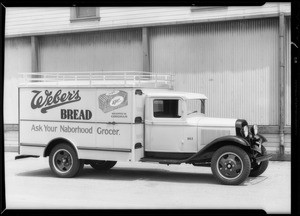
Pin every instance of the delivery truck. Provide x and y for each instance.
(100, 118)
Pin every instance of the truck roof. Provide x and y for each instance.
(106, 79)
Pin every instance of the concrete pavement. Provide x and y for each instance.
(31, 185)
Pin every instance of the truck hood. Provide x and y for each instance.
(208, 121)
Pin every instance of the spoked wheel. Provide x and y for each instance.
(102, 165)
(64, 162)
(230, 165)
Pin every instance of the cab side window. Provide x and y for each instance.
(163, 108)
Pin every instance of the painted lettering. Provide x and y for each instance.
(75, 114)
(102, 131)
(68, 129)
(50, 128)
(36, 128)
(48, 100)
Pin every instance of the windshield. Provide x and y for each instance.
(196, 106)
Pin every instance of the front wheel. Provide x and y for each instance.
(102, 165)
(64, 162)
(230, 165)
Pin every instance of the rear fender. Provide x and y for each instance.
(57, 141)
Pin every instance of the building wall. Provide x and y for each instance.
(36, 20)
(17, 59)
(235, 64)
(94, 51)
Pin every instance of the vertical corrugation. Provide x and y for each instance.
(94, 51)
(288, 71)
(235, 64)
(17, 59)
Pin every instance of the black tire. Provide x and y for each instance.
(64, 161)
(102, 165)
(258, 169)
(230, 165)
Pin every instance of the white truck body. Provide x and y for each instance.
(122, 116)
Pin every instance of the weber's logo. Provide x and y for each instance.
(48, 100)
(113, 100)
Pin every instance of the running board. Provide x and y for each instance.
(25, 156)
(162, 161)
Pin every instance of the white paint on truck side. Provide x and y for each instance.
(99, 122)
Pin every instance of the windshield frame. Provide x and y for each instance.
(199, 110)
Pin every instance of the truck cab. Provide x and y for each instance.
(171, 120)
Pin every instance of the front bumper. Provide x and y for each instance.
(263, 158)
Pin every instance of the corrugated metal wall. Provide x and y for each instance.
(94, 51)
(288, 70)
(17, 59)
(235, 64)
(41, 20)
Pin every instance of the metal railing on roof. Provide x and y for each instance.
(98, 79)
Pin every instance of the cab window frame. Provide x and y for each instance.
(179, 107)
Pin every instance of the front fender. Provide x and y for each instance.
(229, 139)
(217, 143)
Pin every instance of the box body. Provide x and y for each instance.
(99, 122)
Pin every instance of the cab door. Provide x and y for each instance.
(164, 125)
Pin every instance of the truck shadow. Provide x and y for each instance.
(141, 174)
(132, 174)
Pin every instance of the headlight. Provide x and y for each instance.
(239, 128)
(254, 129)
(245, 131)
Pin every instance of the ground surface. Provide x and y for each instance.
(30, 184)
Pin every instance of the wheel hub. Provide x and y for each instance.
(62, 161)
(229, 165)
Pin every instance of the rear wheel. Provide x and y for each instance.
(258, 169)
(102, 165)
(64, 162)
(230, 165)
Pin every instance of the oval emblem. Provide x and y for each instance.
(116, 101)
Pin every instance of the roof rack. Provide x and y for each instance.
(97, 79)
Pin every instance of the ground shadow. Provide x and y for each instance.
(147, 174)
(132, 174)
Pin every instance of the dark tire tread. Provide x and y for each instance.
(103, 165)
